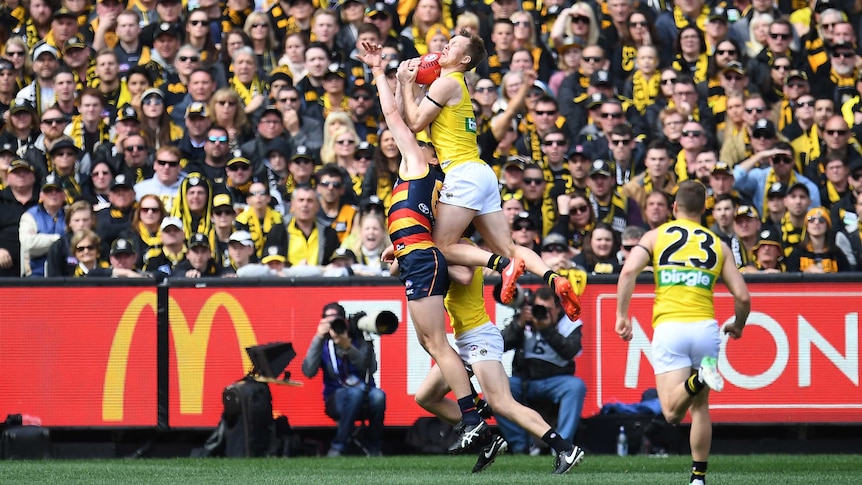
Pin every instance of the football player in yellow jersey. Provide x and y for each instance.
(422, 266)
(687, 259)
(470, 190)
(480, 345)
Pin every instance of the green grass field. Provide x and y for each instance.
(639, 470)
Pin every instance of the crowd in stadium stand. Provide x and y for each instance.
(196, 138)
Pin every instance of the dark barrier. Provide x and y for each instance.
(122, 354)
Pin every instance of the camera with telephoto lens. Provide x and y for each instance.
(381, 322)
(523, 296)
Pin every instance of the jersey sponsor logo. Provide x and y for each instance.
(692, 278)
(470, 125)
(424, 209)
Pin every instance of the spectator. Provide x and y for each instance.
(127, 124)
(818, 251)
(197, 124)
(87, 247)
(803, 129)
(77, 58)
(156, 124)
(657, 209)
(303, 131)
(41, 226)
(172, 250)
(20, 130)
(213, 166)
(383, 171)
(88, 129)
(193, 204)
(723, 211)
(270, 127)
(175, 89)
(546, 345)
(265, 225)
(145, 232)
(372, 240)
(129, 49)
(334, 212)
(746, 230)
(656, 177)
(239, 181)
(223, 218)
(838, 144)
(310, 244)
(293, 59)
(769, 253)
(576, 219)
(199, 35)
(611, 206)
(226, 108)
(341, 264)
(166, 182)
(555, 145)
(744, 144)
(202, 85)
(134, 161)
(535, 200)
(263, 41)
(122, 262)
(525, 232)
(241, 254)
(317, 60)
(599, 255)
(46, 62)
(62, 260)
(8, 86)
(775, 203)
(630, 238)
(199, 262)
(247, 82)
(348, 362)
(579, 167)
(64, 157)
(556, 253)
(117, 219)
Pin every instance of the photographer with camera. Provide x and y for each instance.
(546, 343)
(348, 362)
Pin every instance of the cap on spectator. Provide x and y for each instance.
(579, 150)
(7, 148)
(796, 74)
(334, 69)
(734, 66)
(64, 12)
(6, 65)
(718, 13)
(173, 29)
(222, 200)
(798, 185)
(280, 73)
(514, 161)
(746, 211)
(127, 113)
(371, 203)
(854, 164)
(722, 167)
(21, 104)
(242, 237)
(342, 253)
(122, 245)
(595, 100)
(601, 167)
(434, 30)
(820, 212)
(272, 253)
(361, 85)
(271, 108)
(75, 42)
(364, 148)
(63, 142)
(18, 163)
(194, 179)
(777, 189)
(555, 241)
(278, 145)
(122, 181)
(571, 42)
(302, 152)
(769, 236)
(523, 220)
(235, 160)
(199, 240)
(379, 8)
(764, 126)
(152, 92)
(171, 221)
(822, 5)
(197, 109)
(601, 78)
(52, 180)
(43, 47)
(844, 44)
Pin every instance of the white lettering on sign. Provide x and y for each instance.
(639, 344)
(848, 363)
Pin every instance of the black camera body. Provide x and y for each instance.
(382, 323)
(340, 326)
(523, 296)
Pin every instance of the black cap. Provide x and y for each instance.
(596, 99)
(554, 239)
(52, 180)
(335, 69)
(718, 13)
(271, 108)
(173, 29)
(302, 152)
(6, 65)
(523, 218)
(746, 211)
(199, 240)
(763, 125)
(8, 148)
(769, 236)
(278, 145)
(722, 167)
(236, 160)
(127, 113)
(601, 77)
(371, 203)
(342, 253)
(571, 42)
(122, 246)
(579, 150)
(601, 167)
(280, 73)
(122, 181)
(76, 42)
(379, 8)
(365, 147)
(20, 104)
(798, 185)
(63, 142)
(64, 12)
(515, 161)
(197, 109)
(734, 66)
(777, 189)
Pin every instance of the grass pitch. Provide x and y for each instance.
(639, 470)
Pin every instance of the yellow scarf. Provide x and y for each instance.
(832, 192)
(699, 74)
(645, 91)
(153, 241)
(329, 108)
(771, 178)
(682, 21)
(246, 93)
(77, 132)
(257, 228)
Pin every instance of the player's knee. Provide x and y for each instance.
(672, 417)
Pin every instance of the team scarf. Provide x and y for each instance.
(81, 270)
(259, 229)
(77, 132)
(682, 21)
(153, 241)
(771, 178)
(832, 193)
(246, 93)
(790, 234)
(328, 107)
(697, 69)
(645, 90)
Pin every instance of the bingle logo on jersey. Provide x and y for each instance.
(693, 278)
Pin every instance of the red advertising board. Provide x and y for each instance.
(89, 358)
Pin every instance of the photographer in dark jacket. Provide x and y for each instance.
(544, 364)
(348, 362)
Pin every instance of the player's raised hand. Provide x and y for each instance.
(372, 54)
(406, 73)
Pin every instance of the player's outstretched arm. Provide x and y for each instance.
(639, 258)
(741, 298)
(441, 92)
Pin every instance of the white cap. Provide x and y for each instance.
(172, 221)
(242, 237)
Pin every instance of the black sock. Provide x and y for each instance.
(693, 386)
(556, 442)
(548, 278)
(469, 415)
(498, 263)
(698, 471)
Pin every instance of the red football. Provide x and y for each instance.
(429, 68)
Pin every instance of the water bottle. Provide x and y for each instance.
(622, 442)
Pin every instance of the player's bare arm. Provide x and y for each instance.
(639, 258)
(444, 91)
(741, 299)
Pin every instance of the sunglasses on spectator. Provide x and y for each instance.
(81, 249)
(612, 115)
(15, 53)
(580, 19)
(731, 77)
(755, 110)
(638, 23)
(762, 135)
(805, 104)
(101, 173)
(523, 227)
(331, 184)
(259, 193)
(628, 247)
(533, 181)
(671, 80)
(217, 139)
(837, 132)
(521, 23)
(196, 23)
(819, 219)
(287, 100)
(545, 113)
(844, 54)
(624, 141)
(774, 35)
(780, 67)
(225, 212)
(54, 121)
(239, 166)
(781, 159)
(189, 58)
(363, 97)
(257, 26)
(591, 59)
(168, 163)
(722, 52)
(558, 143)
(226, 102)
(796, 85)
(693, 133)
(153, 100)
(149, 210)
(578, 209)
(345, 142)
(484, 89)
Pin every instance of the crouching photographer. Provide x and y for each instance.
(349, 392)
(546, 342)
